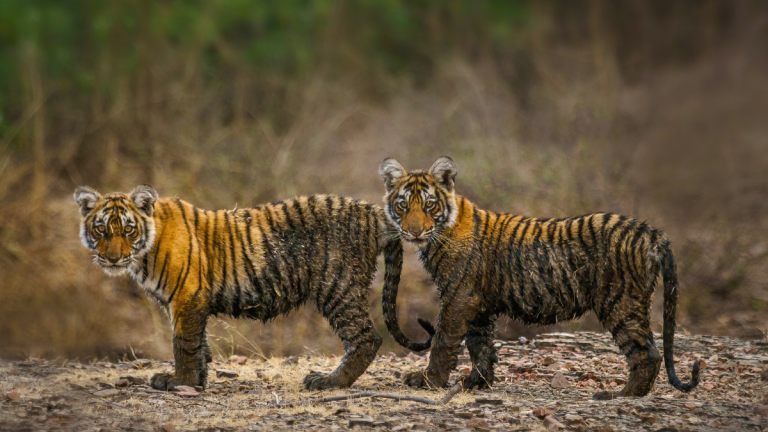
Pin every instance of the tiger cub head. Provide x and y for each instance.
(420, 203)
(119, 227)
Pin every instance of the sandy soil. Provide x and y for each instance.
(48, 395)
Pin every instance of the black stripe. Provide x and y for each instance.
(636, 272)
(498, 257)
(162, 273)
(551, 230)
(144, 269)
(339, 222)
(608, 308)
(189, 252)
(199, 254)
(210, 249)
(220, 253)
(156, 253)
(582, 243)
(537, 229)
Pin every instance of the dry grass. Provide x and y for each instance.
(684, 150)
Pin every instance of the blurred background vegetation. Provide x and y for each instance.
(653, 109)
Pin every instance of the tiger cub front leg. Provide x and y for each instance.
(482, 353)
(452, 325)
(190, 352)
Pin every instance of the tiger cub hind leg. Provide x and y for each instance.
(644, 365)
(482, 353)
(354, 326)
(635, 340)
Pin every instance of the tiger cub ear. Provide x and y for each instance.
(444, 170)
(144, 198)
(390, 171)
(86, 198)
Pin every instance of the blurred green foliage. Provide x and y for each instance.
(83, 46)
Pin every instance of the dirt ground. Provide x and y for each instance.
(542, 384)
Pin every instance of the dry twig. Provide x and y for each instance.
(445, 399)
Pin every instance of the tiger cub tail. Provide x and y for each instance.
(393, 264)
(669, 274)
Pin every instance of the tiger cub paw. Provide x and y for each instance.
(166, 382)
(605, 395)
(475, 381)
(420, 379)
(321, 381)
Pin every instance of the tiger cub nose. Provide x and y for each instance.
(113, 259)
(416, 233)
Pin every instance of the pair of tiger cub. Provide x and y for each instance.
(271, 259)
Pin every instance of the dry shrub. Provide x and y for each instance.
(684, 149)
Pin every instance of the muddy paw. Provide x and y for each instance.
(475, 381)
(166, 382)
(418, 379)
(320, 381)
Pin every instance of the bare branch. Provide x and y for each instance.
(445, 399)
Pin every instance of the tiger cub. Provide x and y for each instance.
(540, 271)
(256, 263)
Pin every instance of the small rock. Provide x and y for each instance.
(764, 375)
(523, 340)
(107, 393)
(241, 360)
(761, 410)
(169, 427)
(573, 419)
(141, 363)
(650, 419)
(12, 396)
(123, 383)
(360, 421)
(690, 406)
(605, 428)
(482, 401)
(552, 424)
(541, 412)
(103, 385)
(225, 373)
(464, 415)
(477, 423)
(548, 361)
(185, 391)
(290, 361)
(134, 380)
(560, 381)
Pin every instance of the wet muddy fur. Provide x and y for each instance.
(256, 263)
(540, 271)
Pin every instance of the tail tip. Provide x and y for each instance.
(427, 326)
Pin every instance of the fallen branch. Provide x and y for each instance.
(444, 400)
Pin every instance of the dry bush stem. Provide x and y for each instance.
(444, 400)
